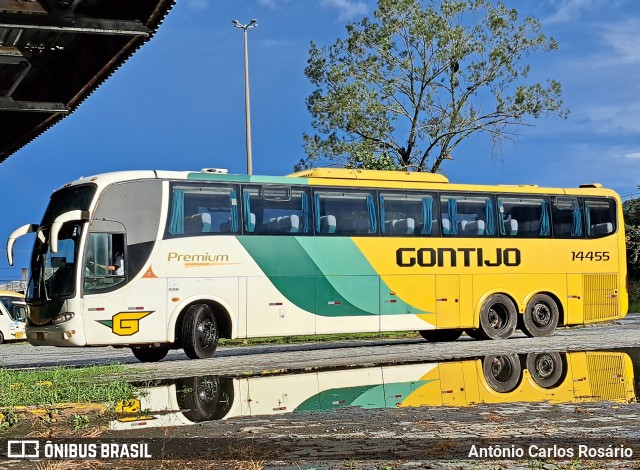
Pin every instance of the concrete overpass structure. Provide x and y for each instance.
(55, 53)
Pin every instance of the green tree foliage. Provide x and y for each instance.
(631, 211)
(407, 86)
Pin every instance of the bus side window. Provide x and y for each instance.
(523, 217)
(345, 212)
(600, 217)
(276, 210)
(467, 216)
(567, 217)
(408, 213)
(207, 209)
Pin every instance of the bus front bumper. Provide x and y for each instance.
(64, 335)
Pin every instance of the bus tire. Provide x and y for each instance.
(440, 336)
(546, 369)
(205, 398)
(502, 373)
(199, 332)
(153, 354)
(1, 337)
(498, 317)
(541, 316)
(475, 333)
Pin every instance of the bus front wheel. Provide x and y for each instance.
(199, 332)
(153, 354)
(541, 316)
(440, 336)
(498, 317)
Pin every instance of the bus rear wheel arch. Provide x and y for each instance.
(541, 316)
(440, 336)
(498, 317)
(199, 332)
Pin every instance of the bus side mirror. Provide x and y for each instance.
(14, 236)
(57, 224)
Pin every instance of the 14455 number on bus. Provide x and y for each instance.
(589, 256)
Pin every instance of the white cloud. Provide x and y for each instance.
(197, 5)
(623, 38)
(632, 155)
(272, 3)
(349, 9)
(568, 10)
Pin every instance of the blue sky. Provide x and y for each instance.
(178, 104)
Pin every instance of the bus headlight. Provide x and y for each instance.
(63, 317)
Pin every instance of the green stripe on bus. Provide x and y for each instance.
(247, 179)
(295, 274)
(363, 396)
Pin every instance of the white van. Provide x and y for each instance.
(13, 314)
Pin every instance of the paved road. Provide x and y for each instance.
(309, 356)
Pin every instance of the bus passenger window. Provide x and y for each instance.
(407, 214)
(567, 218)
(345, 212)
(467, 216)
(198, 209)
(276, 210)
(523, 217)
(600, 217)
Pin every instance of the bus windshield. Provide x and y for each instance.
(52, 274)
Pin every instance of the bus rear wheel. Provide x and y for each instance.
(153, 354)
(546, 369)
(498, 317)
(502, 373)
(541, 316)
(199, 332)
(440, 336)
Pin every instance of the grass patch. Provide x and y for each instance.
(63, 385)
(318, 338)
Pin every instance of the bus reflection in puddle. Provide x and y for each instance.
(555, 377)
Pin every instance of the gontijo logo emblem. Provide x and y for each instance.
(125, 323)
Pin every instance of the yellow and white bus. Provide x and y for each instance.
(157, 260)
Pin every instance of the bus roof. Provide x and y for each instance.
(339, 177)
(371, 175)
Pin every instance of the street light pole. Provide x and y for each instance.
(247, 108)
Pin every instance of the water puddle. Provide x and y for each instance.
(554, 377)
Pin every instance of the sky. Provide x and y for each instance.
(178, 104)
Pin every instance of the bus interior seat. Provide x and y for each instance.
(196, 223)
(511, 227)
(475, 227)
(404, 226)
(602, 229)
(530, 228)
(388, 226)
(251, 222)
(328, 224)
(446, 226)
(289, 224)
(225, 227)
(206, 221)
